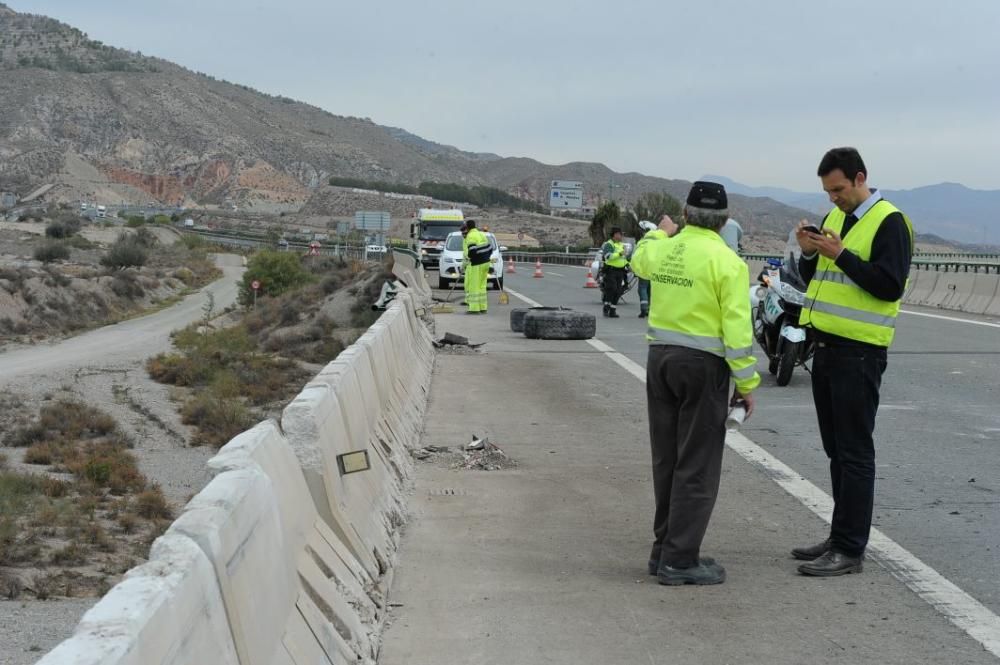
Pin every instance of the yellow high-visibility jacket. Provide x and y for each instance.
(834, 303)
(699, 298)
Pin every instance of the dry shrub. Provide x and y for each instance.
(11, 586)
(128, 523)
(109, 465)
(151, 504)
(73, 554)
(40, 453)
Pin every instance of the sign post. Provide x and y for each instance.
(255, 285)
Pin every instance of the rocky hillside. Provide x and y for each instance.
(107, 125)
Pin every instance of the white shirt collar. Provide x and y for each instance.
(860, 211)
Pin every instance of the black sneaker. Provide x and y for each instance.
(607, 308)
(643, 314)
(612, 313)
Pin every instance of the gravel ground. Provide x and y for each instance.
(105, 368)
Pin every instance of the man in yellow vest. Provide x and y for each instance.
(615, 262)
(476, 252)
(856, 265)
(699, 340)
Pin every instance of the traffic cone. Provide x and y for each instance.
(591, 283)
(510, 266)
(538, 269)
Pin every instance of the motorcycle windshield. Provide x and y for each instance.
(790, 263)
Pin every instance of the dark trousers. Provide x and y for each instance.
(687, 394)
(845, 383)
(614, 284)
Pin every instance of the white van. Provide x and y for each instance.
(450, 266)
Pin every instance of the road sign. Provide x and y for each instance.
(566, 194)
(255, 285)
(367, 220)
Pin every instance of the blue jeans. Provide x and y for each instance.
(643, 288)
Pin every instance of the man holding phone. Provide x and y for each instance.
(856, 264)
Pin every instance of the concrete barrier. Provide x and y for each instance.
(984, 290)
(285, 557)
(329, 417)
(961, 285)
(924, 282)
(167, 611)
(993, 309)
(945, 288)
(326, 568)
(237, 522)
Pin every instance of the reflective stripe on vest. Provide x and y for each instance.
(834, 303)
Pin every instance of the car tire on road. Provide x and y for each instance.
(559, 324)
(517, 316)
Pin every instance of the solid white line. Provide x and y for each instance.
(524, 298)
(956, 605)
(950, 318)
(554, 273)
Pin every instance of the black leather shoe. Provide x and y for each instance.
(832, 564)
(701, 574)
(606, 310)
(643, 314)
(613, 314)
(812, 552)
(654, 564)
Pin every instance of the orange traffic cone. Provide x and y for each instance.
(510, 265)
(538, 269)
(591, 283)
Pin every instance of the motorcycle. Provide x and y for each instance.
(776, 301)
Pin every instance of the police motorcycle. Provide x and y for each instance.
(776, 301)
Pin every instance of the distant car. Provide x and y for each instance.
(376, 249)
(450, 266)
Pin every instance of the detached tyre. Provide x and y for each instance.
(517, 316)
(559, 324)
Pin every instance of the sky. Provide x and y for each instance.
(755, 91)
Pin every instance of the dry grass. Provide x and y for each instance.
(78, 527)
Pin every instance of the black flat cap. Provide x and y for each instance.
(708, 195)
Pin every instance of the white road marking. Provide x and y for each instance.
(943, 595)
(956, 605)
(950, 318)
(524, 298)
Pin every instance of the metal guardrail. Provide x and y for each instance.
(342, 251)
(939, 262)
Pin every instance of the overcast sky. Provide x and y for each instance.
(755, 91)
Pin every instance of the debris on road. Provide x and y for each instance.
(486, 457)
(429, 451)
(456, 344)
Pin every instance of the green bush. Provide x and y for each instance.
(51, 251)
(277, 273)
(63, 228)
(126, 252)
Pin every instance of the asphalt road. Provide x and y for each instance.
(937, 434)
(132, 340)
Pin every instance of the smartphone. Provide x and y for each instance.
(812, 228)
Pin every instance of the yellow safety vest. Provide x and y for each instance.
(474, 238)
(834, 303)
(616, 257)
(698, 298)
